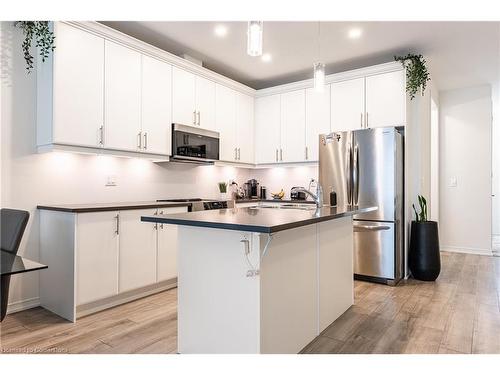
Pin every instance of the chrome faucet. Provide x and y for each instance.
(317, 198)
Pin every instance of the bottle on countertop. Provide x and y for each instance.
(333, 198)
(263, 192)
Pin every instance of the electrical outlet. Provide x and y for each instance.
(110, 180)
(453, 182)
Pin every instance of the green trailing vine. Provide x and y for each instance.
(38, 31)
(417, 74)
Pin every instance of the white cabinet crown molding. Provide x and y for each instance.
(147, 49)
(332, 78)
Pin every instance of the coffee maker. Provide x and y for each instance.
(251, 189)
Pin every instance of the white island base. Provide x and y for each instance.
(304, 283)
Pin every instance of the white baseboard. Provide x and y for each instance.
(23, 305)
(466, 250)
(106, 303)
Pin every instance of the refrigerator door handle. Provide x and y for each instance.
(370, 228)
(349, 174)
(355, 175)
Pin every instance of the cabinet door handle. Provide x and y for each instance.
(362, 125)
(161, 225)
(145, 140)
(101, 135)
(239, 153)
(199, 118)
(307, 153)
(194, 117)
(235, 153)
(281, 154)
(117, 229)
(366, 125)
(276, 154)
(139, 141)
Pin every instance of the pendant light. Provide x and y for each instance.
(319, 67)
(254, 38)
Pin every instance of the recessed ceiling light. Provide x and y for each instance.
(266, 57)
(220, 30)
(355, 33)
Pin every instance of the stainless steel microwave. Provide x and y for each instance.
(194, 145)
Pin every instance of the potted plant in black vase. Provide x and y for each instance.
(424, 258)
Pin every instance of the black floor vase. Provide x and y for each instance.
(424, 258)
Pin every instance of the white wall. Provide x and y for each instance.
(29, 179)
(465, 145)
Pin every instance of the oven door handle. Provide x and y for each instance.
(370, 228)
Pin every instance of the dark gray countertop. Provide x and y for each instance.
(262, 220)
(96, 207)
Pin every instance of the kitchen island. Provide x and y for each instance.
(261, 279)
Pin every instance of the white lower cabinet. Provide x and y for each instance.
(167, 246)
(137, 250)
(96, 256)
(117, 252)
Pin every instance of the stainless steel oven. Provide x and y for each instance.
(194, 145)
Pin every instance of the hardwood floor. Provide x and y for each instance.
(459, 313)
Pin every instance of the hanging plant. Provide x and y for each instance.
(417, 74)
(43, 36)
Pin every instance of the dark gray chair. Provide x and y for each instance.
(12, 226)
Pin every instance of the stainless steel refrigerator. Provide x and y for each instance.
(365, 168)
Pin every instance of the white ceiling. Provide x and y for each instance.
(459, 54)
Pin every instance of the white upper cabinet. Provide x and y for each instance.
(267, 129)
(156, 106)
(386, 99)
(348, 104)
(205, 103)
(78, 90)
(183, 97)
(317, 120)
(293, 122)
(122, 97)
(226, 122)
(137, 250)
(234, 118)
(245, 128)
(193, 100)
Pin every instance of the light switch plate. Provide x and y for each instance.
(453, 182)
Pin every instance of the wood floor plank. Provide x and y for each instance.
(323, 345)
(486, 337)
(346, 325)
(460, 328)
(357, 345)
